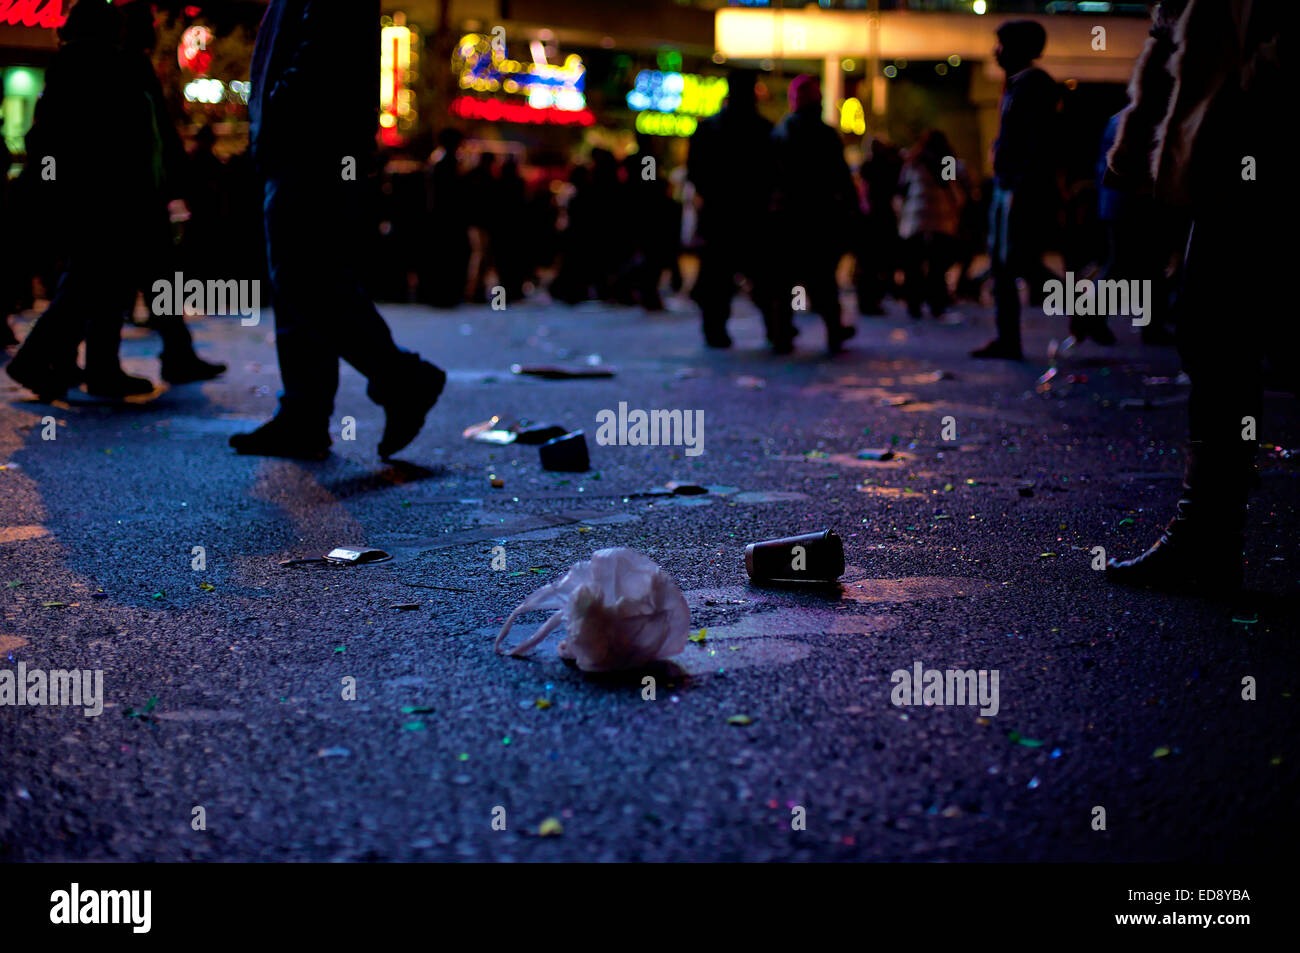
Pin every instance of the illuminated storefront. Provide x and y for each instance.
(28, 40)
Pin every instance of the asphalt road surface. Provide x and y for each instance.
(224, 687)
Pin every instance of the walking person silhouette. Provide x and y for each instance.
(314, 153)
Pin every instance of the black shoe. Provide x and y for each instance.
(997, 349)
(189, 369)
(836, 336)
(46, 382)
(119, 385)
(404, 414)
(279, 437)
(1200, 549)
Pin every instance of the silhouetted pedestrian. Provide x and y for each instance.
(1024, 184)
(877, 251)
(444, 269)
(816, 205)
(315, 154)
(104, 197)
(934, 193)
(732, 164)
(1201, 134)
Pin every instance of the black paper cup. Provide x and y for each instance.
(774, 560)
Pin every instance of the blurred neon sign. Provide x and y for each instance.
(396, 61)
(43, 13)
(496, 110)
(192, 53)
(683, 93)
(670, 104)
(484, 68)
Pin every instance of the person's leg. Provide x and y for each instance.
(714, 289)
(914, 273)
(824, 296)
(939, 254)
(46, 363)
(1228, 270)
(1002, 264)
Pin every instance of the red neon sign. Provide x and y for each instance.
(46, 13)
(494, 110)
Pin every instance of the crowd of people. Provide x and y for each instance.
(776, 205)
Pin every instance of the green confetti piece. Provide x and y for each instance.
(1126, 521)
(340, 649)
(463, 756)
(158, 595)
(505, 740)
(700, 636)
(416, 710)
(1161, 752)
(551, 827)
(413, 726)
(1016, 737)
(741, 720)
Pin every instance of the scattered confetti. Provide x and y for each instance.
(1017, 738)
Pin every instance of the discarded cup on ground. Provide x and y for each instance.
(568, 454)
(812, 557)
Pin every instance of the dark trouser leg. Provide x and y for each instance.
(321, 311)
(914, 273)
(939, 258)
(714, 289)
(1003, 255)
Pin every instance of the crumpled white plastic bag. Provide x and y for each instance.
(619, 608)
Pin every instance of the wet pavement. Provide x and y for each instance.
(969, 548)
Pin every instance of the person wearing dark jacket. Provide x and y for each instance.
(1024, 177)
(730, 163)
(817, 205)
(315, 154)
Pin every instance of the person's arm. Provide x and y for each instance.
(1128, 164)
(314, 24)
